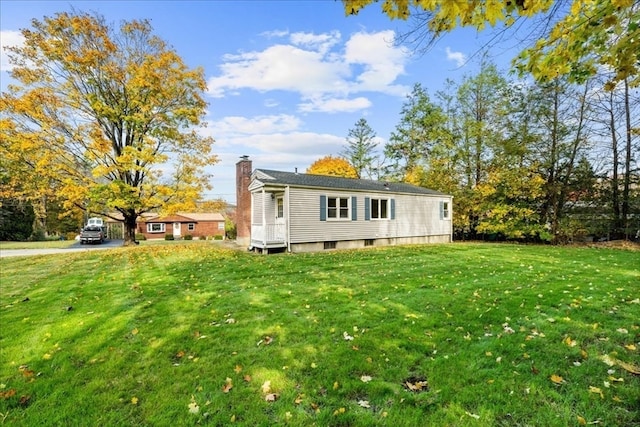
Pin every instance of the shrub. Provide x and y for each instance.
(38, 235)
(169, 236)
(71, 235)
(217, 237)
(230, 229)
(188, 237)
(140, 236)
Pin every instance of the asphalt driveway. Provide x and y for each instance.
(76, 247)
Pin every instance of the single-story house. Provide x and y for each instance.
(197, 225)
(302, 212)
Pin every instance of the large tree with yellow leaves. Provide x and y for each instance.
(578, 36)
(104, 118)
(333, 166)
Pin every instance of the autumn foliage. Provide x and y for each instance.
(579, 39)
(103, 118)
(332, 166)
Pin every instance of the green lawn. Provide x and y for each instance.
(48, 244)
(442, 335)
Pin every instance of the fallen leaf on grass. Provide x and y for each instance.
(630, 347)
(476, 416)
(629, 367)
(266, 387)
(582, 421)
(364, 403)
(298, 399)
(596, 390)
(557, 379)
(610, 361)
(228, 385)
(134, 331)
(7, 394)
(365, 378)
(193, 408)
(271, 397)
(237, 369)
(568, 341)
(134, 400)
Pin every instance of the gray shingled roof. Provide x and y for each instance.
(323, 181)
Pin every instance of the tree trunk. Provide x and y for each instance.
(615, 185)
(130, 224)
(627, 165)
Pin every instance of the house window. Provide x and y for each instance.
(368, 242)
(221, 226)
(330, 245)
(444, 210)
(379, 209)
(279, 207)
(155, 227)
(191, 226)
(337, 208)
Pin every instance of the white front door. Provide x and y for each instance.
(176, 229)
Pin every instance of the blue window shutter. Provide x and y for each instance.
(441, 210)
(367, 209)
(354, 208)
(323, 208)
(393, 208)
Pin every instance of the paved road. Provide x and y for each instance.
(76, 247)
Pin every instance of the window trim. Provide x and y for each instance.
(150, 227)
(338, 208)
(377, 210)
(279, 207)
(191, 226)
(445, 210)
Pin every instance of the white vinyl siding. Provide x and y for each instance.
(411, 215)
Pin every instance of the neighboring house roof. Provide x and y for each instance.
(179, 217)
(187, 217)
(271, 177)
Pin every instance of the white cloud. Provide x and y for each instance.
(458, 57)
(334, 105)
(324, 73)
(8, 38)
(258, 125)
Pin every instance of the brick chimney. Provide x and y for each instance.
(243, 201)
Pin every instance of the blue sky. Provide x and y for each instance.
(286, 79)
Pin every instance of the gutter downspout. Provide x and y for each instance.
(264, 221)
(286, 197)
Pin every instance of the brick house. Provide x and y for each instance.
(197, 225)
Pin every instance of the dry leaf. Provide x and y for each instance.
(193, 407)
(134, 400)
(237, 369)
(298, 399)
(596, 390)
(134, 331)
(247, 378)
(365, 378)
(629, 367)
(557, 379)
(364, 403)
(582, 421)
(271, 397)
(266, 387)
(228, 385)
(630, 347)
(568, 341)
